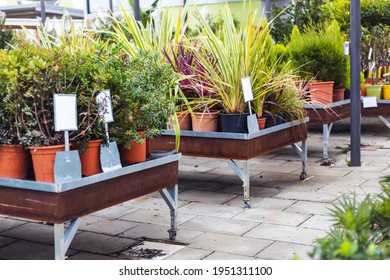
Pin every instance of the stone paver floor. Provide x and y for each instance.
(287, 214)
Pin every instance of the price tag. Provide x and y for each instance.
(65, 112)
(370, 102)
(247, 89)
(103, 100)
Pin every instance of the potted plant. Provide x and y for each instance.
(318, 52)
(144, 104)
(198, 92)
(14, 162)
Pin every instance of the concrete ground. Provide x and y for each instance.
(286, 217)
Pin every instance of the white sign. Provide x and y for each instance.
(103, 100)
(247, 89)
(370, 102)
(65, 112)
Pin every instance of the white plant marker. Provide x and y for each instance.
(253, 125)
(67, 165)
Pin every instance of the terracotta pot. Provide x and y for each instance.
(43, 158)
(90, 158)
(14, 162)
(205, 121)
(321, 92)
(136, 153)
(184, 121)
(261, 122)
(338, 94)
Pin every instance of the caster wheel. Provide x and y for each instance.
(302, 176)
(172, 236)
(247, 204)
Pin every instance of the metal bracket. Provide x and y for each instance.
(170, 195)
(244, 174)
(63, 237)
(326, 129)
(302, 152)
(386, 122)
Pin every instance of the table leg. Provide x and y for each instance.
(386, 122)
(302, 152)
(326, 129)
(63, 237)
(170, 195)
(244, 174)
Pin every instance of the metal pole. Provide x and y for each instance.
(355, 83)
(43, 12)
(110, 5)
(137, 11)
(268, 9)
(88, 7)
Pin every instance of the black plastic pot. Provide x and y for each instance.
(236, 123)
(275, 119)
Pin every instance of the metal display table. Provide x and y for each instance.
(70, 201)
(382, 110)
(239, 146)
(327, 115)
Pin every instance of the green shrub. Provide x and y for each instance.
(319, 52)
(361, 230)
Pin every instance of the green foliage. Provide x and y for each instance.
(318, 52)
(6, 36)
(299, 13)
(146, 101)
(361, 230)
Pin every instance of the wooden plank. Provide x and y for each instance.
(65, 206)
(381, 110)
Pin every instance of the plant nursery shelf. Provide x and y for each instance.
(239, 146)
(69, 201)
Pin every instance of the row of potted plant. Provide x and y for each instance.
(30, 73)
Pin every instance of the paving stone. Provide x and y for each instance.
(6, 240)
(307, 195)
(286, 233)
(273, 216)
(263, 202)
(88, 256)
(205, 197)
(189, 254)
(7, 223)
(214, 210)
(254, 191)
(99, 243)
(159, 232)
(26, 250)
(151, 250)
(226, 256)
(153, 203)
(114, 212)
(33, 232)
(309, 207)
(158, 217)
(199, 176)
(286, 251)
(219, 225)
(105, 226)
(228, 243)
(319, 222)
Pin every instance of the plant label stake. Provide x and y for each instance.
(109, 153)
(253, 125)
(67, 165)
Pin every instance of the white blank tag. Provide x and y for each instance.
(65, 112)
(370, 102)
(247, 89)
